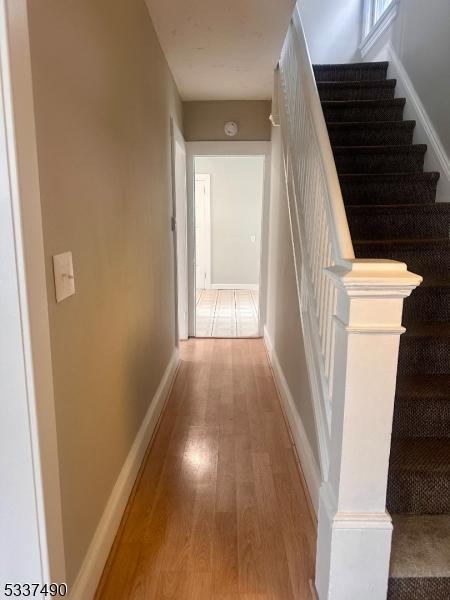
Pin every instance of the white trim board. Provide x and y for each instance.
(234, 286)
(372, 33)
(305, 454)
(94, 562)
(230, 148)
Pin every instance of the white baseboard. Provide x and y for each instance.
(308, 462)
(91, 570)
(436, 158)
(234, 286)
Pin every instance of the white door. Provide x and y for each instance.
(202, 232)
(180, 231)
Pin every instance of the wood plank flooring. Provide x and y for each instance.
(227, 313)
(220, 511)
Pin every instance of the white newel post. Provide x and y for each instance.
(354, 538)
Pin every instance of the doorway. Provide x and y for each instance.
(228, 208)
(179, 229)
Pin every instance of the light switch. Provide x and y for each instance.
(253, 238)
(64, 279)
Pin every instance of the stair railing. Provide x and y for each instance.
(351, 320)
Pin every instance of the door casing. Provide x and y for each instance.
(179, 228)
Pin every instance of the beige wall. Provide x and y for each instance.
(104, 96)
(283, 323)
(204, 121)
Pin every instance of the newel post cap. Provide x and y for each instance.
(374, 277)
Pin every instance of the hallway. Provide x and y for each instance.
(220, 511)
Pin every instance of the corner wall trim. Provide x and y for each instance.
(306, 457)
(91, 570)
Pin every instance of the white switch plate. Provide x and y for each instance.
(64, 279)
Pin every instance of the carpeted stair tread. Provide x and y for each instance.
(415, 387)
(367, 104)
(363, 110)
(425, 348)
(379, 159)
(388, 220)
(421, 456)
(381, 89)
(425, 329)
(402, 242)
(430, 301)
(419, 476)
(436, 282)
(371, 133)
(422, 406)
(423, 256)
(420, 546)
(351, 71)
(441, 208)
(420, 558)
(389, 188)
(419, 588)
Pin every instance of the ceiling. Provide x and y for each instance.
(222, 49)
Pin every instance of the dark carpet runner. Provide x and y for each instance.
(392, 213)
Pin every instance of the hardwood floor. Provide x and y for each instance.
(220, 511)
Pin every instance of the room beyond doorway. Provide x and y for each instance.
(227, 313)
(228, 208)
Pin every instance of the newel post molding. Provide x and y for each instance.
(354, 538)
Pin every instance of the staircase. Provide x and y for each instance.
(392, 213)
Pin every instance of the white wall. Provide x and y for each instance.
(283, 325)
(420, 36)
(332, 29)
(236, 202)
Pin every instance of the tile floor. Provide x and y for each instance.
(227, 313)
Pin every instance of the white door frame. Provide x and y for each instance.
(206, 178)
(180, 244)
(228, 149)
(31, 535)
